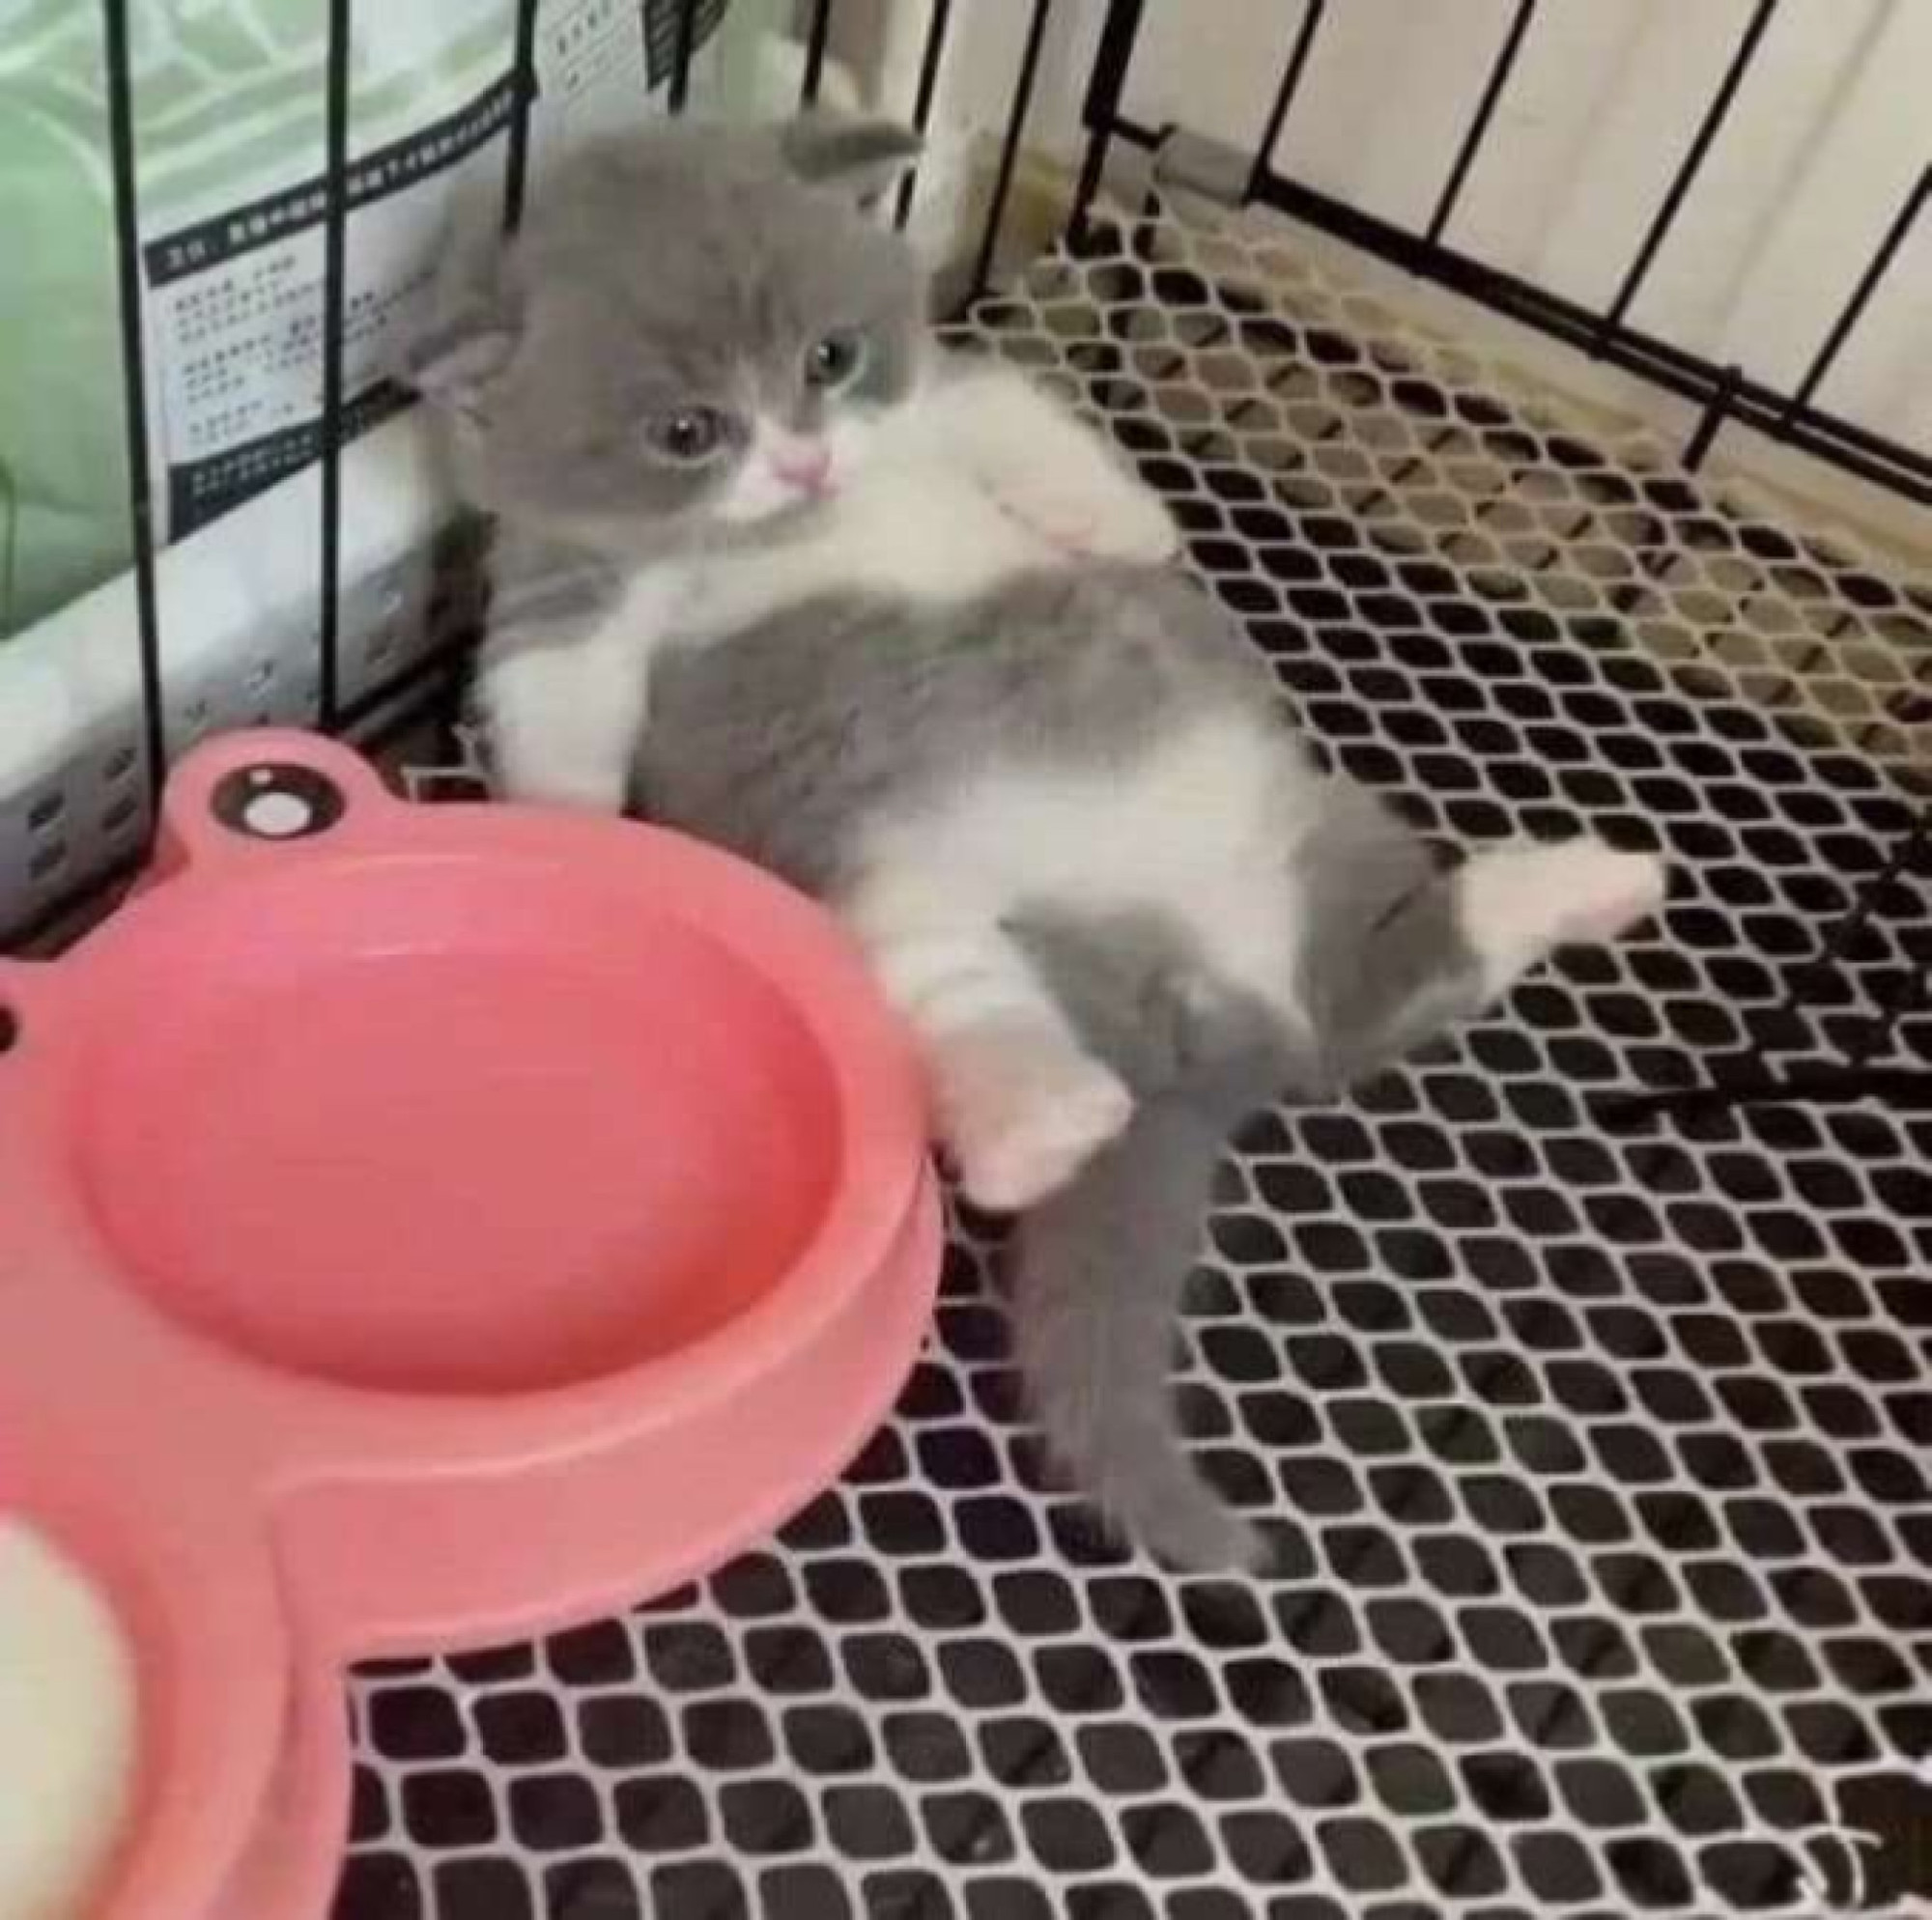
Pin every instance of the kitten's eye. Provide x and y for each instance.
(686, 434)
(834, 361)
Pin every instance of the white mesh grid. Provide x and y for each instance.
(1594, 1454)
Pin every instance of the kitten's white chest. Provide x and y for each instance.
(909, 533)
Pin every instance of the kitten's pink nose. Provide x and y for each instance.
(806, 468)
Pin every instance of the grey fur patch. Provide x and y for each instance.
(858, 158)
(1097, 1274)
(785, 740)
(689, 266)
(1383, 965)
(1140, 997)
(544, 593)
(1098, 1270)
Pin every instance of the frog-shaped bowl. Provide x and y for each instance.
(420, 1227)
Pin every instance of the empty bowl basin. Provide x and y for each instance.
(420, 1226)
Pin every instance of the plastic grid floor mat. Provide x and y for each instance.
(1594, 1451)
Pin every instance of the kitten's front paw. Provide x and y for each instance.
(1127, 522)
(1024, 1127)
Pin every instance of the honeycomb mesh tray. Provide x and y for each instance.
(1594, 1450)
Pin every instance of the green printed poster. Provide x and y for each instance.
(229, 110)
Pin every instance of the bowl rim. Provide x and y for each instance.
(790, 945)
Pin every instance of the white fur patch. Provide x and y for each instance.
(1518, 903)
(774, 478)
(1202, 827)
(1021, 1112)
(565, 717)
(67, 1726)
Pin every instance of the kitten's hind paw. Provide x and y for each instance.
(1024, 1138)
(1517, 903)
(1615, 891)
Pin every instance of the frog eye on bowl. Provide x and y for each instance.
(277, 800)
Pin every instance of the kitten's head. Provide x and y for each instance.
(697, 331)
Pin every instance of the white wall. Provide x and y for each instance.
(1824, 142)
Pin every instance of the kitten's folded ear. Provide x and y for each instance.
(471, 327)
(858, 158)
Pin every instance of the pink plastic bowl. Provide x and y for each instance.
(420, 1226)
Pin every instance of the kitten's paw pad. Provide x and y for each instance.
(1613, 891)
(1015, 1151)
(1132, 523)
(1518, 903)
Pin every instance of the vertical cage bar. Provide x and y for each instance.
(1100, 111)
(1290, 85)
(1485, 111)
(929, 86)
(134, 386)
(1692, 162)
(1854, 308)
(1717, 410)
(524, 78)
(684, 39)
(816, 37)
(1009, 146)
(335, 315)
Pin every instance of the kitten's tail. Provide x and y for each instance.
(1097, 1272)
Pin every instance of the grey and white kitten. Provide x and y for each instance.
(897, 626)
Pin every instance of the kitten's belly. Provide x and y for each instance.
(1201, 827)
(1089, 740)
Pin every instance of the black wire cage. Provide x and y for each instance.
(1581, 1378)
